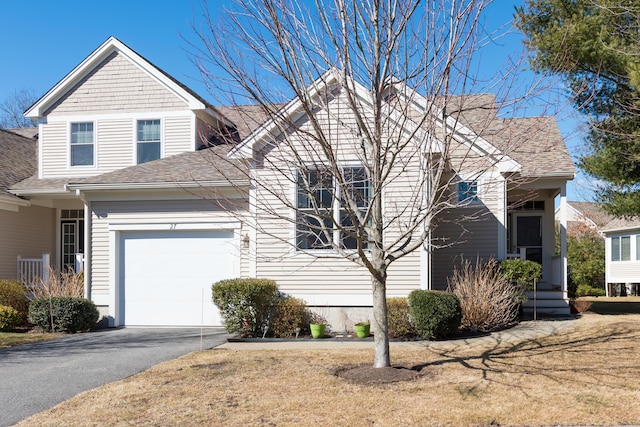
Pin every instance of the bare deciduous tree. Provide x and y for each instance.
(13, 106)
(365, 104)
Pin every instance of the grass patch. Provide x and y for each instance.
(10, 339)
(591, 368)
(613, 305)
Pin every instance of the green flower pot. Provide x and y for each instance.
(363, 329)
(317, 329)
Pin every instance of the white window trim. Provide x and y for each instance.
(329, 252)
(95, 146)
(135, 137)
(632, 255)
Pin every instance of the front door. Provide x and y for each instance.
(528, 237)
(71, 237)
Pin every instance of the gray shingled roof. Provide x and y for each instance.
(603, 220)
(533, 142)
(18, 159)
(208, 165)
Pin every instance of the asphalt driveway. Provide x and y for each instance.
(35, 377)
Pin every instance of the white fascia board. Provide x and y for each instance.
(155, 185)
(48, 192)
(292, 111)
(92, 61)
(627, 229)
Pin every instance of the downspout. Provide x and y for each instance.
(87, 244)
(563, 238)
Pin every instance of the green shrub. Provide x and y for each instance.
(68, 314)
(399, 318)
(435, 314)
(14, 294)
(246, 305)
(290, 317)
(589, 291)
(9, 318)
(521, 272)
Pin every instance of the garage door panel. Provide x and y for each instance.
(167, 276)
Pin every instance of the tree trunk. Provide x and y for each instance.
(382, 358)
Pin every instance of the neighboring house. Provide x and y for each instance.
(129, 175)
(584, 214)
(622, 244)
(26, 228)
(622, 251)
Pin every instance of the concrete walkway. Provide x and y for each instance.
(35, 377)
(526, 330)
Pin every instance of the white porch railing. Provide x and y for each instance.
(32, 270)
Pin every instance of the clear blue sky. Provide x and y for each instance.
(42, 40)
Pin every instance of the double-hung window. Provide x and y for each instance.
(621, 248)
(323, 219)
(149, 143)
(82, 144)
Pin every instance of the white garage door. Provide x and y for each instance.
(166, 276)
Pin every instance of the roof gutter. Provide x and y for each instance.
(156, 185)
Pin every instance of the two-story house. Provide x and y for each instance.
(130, 176)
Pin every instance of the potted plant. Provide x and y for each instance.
(317, 325)
(363, 329)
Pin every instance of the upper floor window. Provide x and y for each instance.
(621, 248)
(468, 191)
(82, 144)
(320, 206)
(148, 144)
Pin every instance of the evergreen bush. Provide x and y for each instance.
(399, 318)
(63, 314)
(14, 294)
(247, 306)
(291, 316)
(9, 318)
(435, 314)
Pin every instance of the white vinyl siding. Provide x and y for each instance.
(623, 258)
(178, 134)
(105, 214)
(30, 232)
(115, 142)
(332, 280)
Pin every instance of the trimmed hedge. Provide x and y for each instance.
(9, 318)
(14, 294)
(435, 314)
(68, 314)
(246, 305)
(291, 316)
(521, 272)
(399, 318)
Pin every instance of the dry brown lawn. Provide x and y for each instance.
(585, 375)
(11, 339)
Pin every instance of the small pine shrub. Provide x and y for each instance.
(589, 291)
(63, 314)
(14, 294)
(435, 314)
(9, 318)
(399, 318)
(246, 305)
(291, 316)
